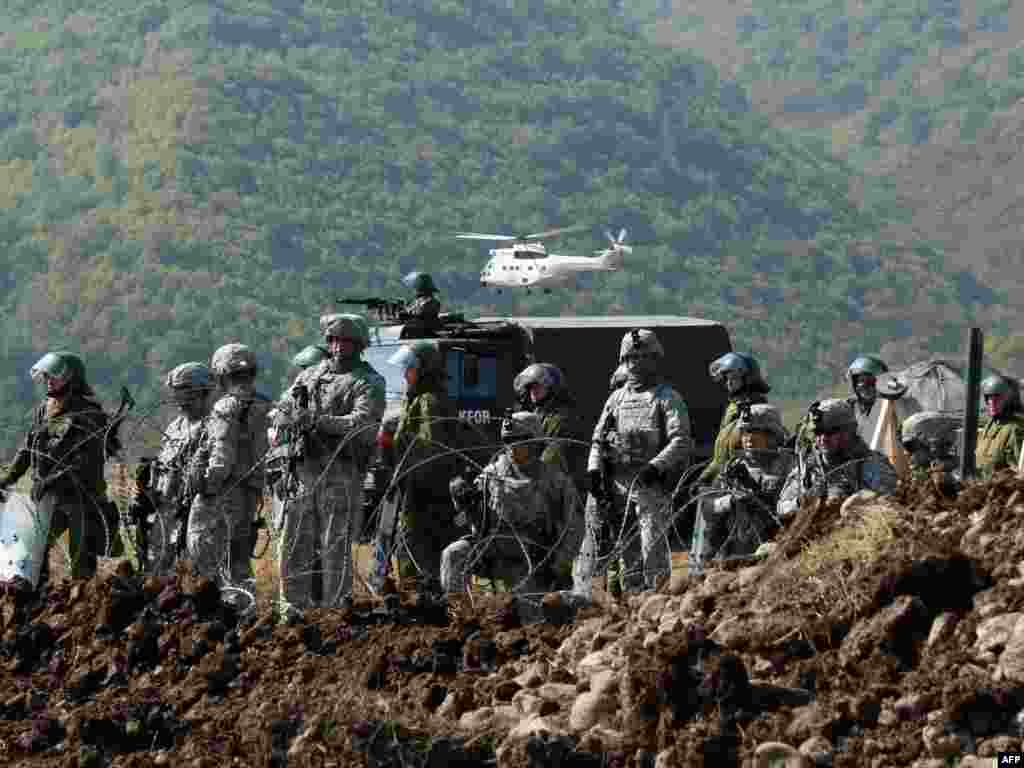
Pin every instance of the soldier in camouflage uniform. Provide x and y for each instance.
(839, 464)
(742, 517)
(425, 461)
(863, 375)
(742, 379)
(424, 310)
(645, 425)
(227, 472)
(66, 449)
(929, 438)
(1001, 437)
(336, 407)
(528, 505)
(190, 385)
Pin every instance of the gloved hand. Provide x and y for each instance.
(595, 481)
(649, 475)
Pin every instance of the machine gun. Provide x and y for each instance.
(386, 309)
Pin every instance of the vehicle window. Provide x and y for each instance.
(471, 375)
(394, 381)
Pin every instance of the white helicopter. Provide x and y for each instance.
(526, 263)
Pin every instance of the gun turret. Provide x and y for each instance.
(386, 309)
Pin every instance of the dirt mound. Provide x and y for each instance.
(879, 632)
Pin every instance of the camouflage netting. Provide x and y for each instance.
(883, 632)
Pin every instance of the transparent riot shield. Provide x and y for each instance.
(702, 547)
(24, 528)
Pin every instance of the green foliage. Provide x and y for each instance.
(193, 178)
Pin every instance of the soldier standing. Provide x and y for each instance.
(66, 449)
(527, 506)
(424, 455)
(335, 406)
(227, 473)
(1001, 437)
(190, 385)
(840, 463)
(863, 373)
(742, 379)
(652, 445)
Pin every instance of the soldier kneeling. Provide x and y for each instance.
(526, 504)
(929, 438)
(741, 517)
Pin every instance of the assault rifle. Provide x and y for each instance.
(386, 309)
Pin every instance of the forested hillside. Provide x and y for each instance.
(182, 174)
(928, 94)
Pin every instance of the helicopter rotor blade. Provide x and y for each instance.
(482, 236)
(554, 232)
(622, 235)
(609, 236)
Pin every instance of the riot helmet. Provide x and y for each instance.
(738, 373)
(62, 372)
(538, 382)
(418, 361)
(863, 374)
(1001, 395)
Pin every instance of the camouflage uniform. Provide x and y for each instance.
(737, 520)
(528, 508)
(346, 402)
(929, 439)
(1001, 437)
(423, 446)
(66, 451)
(178, 445)
(752, 391)
(227, 472)
(648, 425)
(856, 468)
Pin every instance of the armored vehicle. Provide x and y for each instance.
(484, 355)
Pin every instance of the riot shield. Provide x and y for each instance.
(24, 529)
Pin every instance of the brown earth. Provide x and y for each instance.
(879, 633)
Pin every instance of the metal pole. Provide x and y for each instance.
(969, 440)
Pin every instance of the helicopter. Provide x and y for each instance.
(526, 263)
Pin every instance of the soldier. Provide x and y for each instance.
(190, 385)
(227, 472)
(742, 379)
(648, 426)
(336, 407)
(863, 373)
(1001, 437)
(424, 310)
(839, 464)
(541, 388)
(528, 505)
(425, 461)
(929, 438)
(66, 449)
(742, 517)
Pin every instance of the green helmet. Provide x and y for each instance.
(997, 385)
(234, 358)
(310, 356)
(424, 285)
(932, 430)
(833, 415)
(641, 340)
(346, 326)
(64, 366)
(868, 364)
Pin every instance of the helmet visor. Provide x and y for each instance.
(50, 366)
(405, 359)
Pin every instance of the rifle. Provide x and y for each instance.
(386, 309)
(142, 508)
